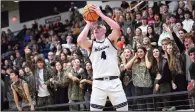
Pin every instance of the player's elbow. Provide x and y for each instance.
(79, 41)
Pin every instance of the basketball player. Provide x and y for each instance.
(103, 55)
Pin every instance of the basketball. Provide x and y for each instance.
(89, 14)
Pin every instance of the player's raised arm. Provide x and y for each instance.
(114, 25)
(82, 38)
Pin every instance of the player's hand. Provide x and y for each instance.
(97, 10)
(89, 23)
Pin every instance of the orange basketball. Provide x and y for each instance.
(89, 14)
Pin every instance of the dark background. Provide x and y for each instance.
(30, 10)
(4, 19)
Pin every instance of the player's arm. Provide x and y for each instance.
(114, 25)
(16, 99)
(82, 38)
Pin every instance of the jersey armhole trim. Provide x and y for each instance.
(112, 43)
(91, 49)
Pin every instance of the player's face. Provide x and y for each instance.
(98, 31)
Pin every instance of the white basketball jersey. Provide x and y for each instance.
(104, 59)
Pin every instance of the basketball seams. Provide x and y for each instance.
(90, 14)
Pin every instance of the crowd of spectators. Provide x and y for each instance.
(153, 56)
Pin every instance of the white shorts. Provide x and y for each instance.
(111, 88)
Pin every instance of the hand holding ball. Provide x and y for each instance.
(89, 14)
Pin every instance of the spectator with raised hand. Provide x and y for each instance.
(126, 75)
(42, 74)
(141, 77)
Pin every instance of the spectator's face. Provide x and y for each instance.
(27, 69)
(165, 8)
(69, 65)
(69, 39)
(128, 30)
(65, 51)
(58, 66)
(6, 62)
(58, 47)
(164, 46)
(156, 17)
(179, 26)
(62, 56)
(21, 72)
(179, 11)
(181, 34)
(40, 65)
(187, 42)
(51, 56)
(146, 41)
(127, 53)
(73, 47)
(64, 65)
(75, 56)
(149, 30)
(192, 56)
(138, 32)
(164, 26)
(141, 53)
(127, 16)
(144, 21)
(156, 53)
(169, 49)
(12, 57)
(150, 11)
(17, 55)
(138, 16)
(13, 77)
(121, 19)
(172, 20)
(187, 16)
(88, 67)
(181, 4)
(123, 38)
(77, 63)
